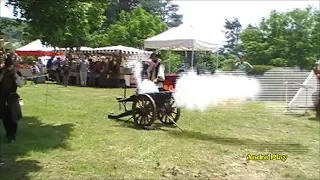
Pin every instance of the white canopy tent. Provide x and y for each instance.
(122, 49)
(182, 38)
(81, 49)
(110, 49)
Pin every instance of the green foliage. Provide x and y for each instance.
(171, 60)
(98, 39)
(260, 69)
(134, 27)
(12, 29)
(232, 34)
(163, 8)
(284, 39)
(208, 61)
(28, 59)
(67, 23)
(229, 62)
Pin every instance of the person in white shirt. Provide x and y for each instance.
(84, 67)
(35, 73)
(41, 67)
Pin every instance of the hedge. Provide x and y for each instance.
(260, 69)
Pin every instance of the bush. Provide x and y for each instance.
(227, 67)
(171, 61)
(260, 69)
(28, 59)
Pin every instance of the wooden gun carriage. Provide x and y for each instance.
(148, 107)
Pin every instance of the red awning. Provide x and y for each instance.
(36, 48)
(39, 53)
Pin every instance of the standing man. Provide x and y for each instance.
(10, 109)
(156, 71)
(84, 67)
(316, 71)
(42, 71)
(92, 76)
(66, 73)
(57, 69)
(243, 65)
(35, 73)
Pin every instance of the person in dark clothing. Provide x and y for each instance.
(92, 73)
(10, 110)
(57, 70)
(144, 72)
(156, 71)
(316, 71)
(50, 62)
(66, 73)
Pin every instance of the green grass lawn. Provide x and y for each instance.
(70, 137)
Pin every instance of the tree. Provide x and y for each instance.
(12, 29)
(208, 61)
(134, 27)
(98, 39)
(114, 9)
(315, 34)
(168, 13)
(255, 45)
(284, 39)
(163, 8)
(67, 23)
(171, 60)
(232, 34)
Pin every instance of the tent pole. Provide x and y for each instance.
(192, 59)
(169, 66)
(217, 61)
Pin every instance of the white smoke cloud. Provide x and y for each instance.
(201, 92)
(143, 86)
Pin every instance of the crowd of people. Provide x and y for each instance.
(85, 70)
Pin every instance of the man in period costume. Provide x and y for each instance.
(10, 110)
(316, 71)
(156, 71)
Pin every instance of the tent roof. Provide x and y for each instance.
(123, 49)
(111, 49)
(35, 48)
(82, 49)
(181, 38)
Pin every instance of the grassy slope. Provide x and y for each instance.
(71, 137)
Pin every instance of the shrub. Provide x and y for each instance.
(260, 69)
(28, 59)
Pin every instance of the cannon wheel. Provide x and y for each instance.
(144, 110)
(169, 113)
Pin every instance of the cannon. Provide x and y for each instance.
(148, 107)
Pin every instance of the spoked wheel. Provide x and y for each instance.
(144, 110)
(169, 113)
